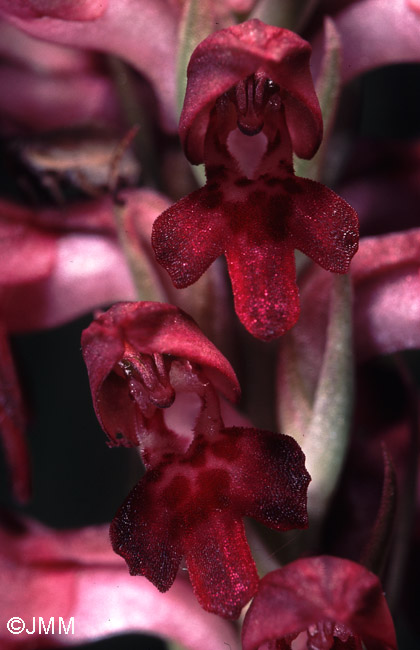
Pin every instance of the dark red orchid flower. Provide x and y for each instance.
(192, 505)
(250, 104)
(141, 357)
(138, 355)
(335, 603)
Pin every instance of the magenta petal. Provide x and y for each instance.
(64, 9)
(323, 226)
(27, 255)
(317, 590)
(231, 55)
(220, 565)
(190, 235)
(264, 285)
(387, 290)
(13, 423)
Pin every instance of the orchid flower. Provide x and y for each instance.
(332, 602)
(250, 104)
(141, 357)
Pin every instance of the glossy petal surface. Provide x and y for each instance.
(315, 591)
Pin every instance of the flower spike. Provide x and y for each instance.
(250, 104)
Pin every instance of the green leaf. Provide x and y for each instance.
(326, 440)
(291, 14)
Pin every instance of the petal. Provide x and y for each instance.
(220, 565)
(155, 327)
(276, 496)
(190, 235)
(264, 286)
(144, 534)
(316, 589)
(102, 348)
(387, 289)
(323, 225)
(386, 283)
(231, 55)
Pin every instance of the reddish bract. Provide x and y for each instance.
(250, 104)
(338, 603)
(192, 506)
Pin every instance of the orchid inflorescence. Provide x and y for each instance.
(243, 266)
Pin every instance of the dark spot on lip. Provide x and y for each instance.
(250, 130)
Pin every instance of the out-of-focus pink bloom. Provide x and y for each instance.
(386, 32)
(192, 506)
(386, 281)
(250, 104)
(138, 355)
(59, 263)
(41, 84)
(56, 265)
(414, 4)
(75, 574)
(334, 602)
(142, 32)
(142, 358)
